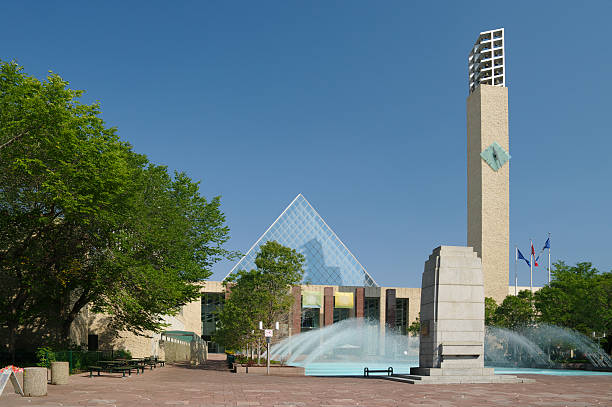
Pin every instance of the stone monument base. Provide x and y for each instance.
(428, 375)
(451, 345)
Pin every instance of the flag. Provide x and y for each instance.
(535, 261)
(520, 256)
(546, 246)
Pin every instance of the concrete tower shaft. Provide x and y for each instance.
(488, 223)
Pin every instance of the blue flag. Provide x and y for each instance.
(520, 256)
(546, 246)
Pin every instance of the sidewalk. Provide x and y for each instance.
(211, 385)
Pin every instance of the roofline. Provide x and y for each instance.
(262, 235)
(323, 220)
(340, 240)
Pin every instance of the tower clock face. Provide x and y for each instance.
(495, 156)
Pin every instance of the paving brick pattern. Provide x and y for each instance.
(215, 386)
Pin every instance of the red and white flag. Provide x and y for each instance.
(535, 261)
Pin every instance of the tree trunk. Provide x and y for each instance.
(12, 328)
(65, 331)
(81, 302)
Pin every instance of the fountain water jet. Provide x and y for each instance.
(360, 342)
(504, 347)
(351, 340)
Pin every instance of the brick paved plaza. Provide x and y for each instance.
(212, 386)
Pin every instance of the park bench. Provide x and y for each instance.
(153, 362)
(95, 368)
(122, 369)
(149, 362)
(112, 368)
(137, 364)
(388, 371)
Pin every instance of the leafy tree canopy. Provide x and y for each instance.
(514, 311)
(84, 220)
(490, 308)
(578, 297)
(261, 294)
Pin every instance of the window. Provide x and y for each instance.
(340, 314)
(401, 315)
(310, 319)
(211, 304)
(371, 308)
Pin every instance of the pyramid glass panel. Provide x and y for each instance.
(327, 260)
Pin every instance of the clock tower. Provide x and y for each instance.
(488, 167)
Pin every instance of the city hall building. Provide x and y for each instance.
(336, 286)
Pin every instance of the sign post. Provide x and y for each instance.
(268, 334)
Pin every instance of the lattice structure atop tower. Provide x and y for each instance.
(486, 63)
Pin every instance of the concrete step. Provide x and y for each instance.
(414, 379)
(426, 371)
(400, 379)
(408, 376)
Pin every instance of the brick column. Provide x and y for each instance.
(296, 310)
(390, 308)
(328, 306)
(228, 291)
(359, 302)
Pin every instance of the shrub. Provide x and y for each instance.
(45, 356)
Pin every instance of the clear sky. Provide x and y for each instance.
(360, 106)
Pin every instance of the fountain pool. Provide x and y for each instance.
(356, 369)
(347, 347)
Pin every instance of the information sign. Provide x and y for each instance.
(4, 378)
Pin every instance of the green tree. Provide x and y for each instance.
(515, 311)
(490, 308)
(86, 221)
(415, 327)
(578, 297)
(262, 294)
(59, 167)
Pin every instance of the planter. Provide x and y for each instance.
(275, 370)
(35, 381)
(59, 372)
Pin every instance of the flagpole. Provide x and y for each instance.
(515, 274)
(531, 268)
(548, 258)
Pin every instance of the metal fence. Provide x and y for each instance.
(81, 360)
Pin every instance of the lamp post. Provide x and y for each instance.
(268, 333)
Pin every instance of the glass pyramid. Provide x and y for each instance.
(327, 260)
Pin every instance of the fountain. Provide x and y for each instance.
(539, 346)
(346, 347)
(453, 345)
(506, 348)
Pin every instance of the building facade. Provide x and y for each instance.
(336, 285)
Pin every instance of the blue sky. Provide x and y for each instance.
(360, 106)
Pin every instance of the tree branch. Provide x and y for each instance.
(11, 141)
